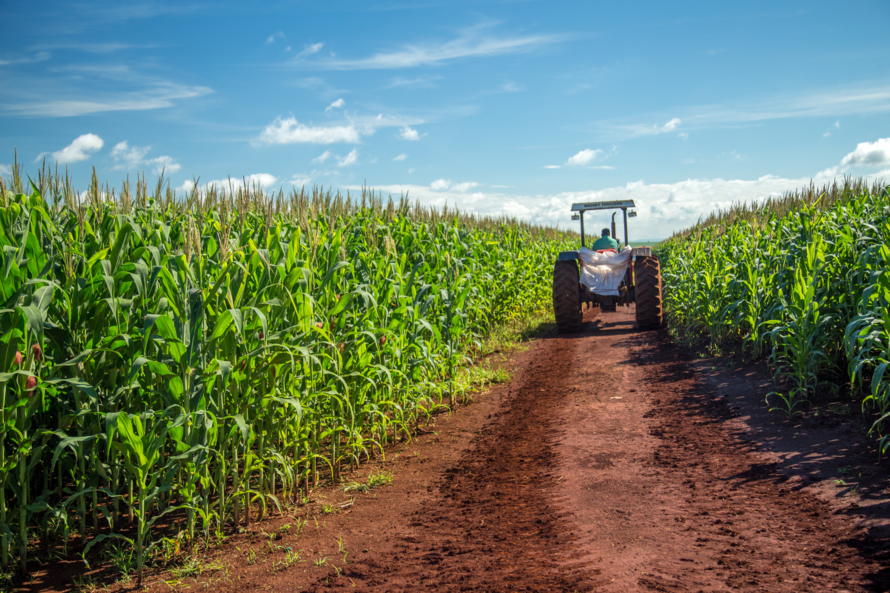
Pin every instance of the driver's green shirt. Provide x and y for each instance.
(605, 243)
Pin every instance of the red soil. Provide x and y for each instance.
(609, 463)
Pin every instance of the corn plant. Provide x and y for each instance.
(803, 277)
(208, 357)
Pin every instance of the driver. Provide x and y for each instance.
(605, 242)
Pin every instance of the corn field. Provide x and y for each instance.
(203, 359)
(803, 280)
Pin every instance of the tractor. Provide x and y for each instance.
(607, 278)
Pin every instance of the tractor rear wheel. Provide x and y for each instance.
(566, 296)
(647, 278)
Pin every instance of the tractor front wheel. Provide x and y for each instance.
(566, 296)
(647, 278)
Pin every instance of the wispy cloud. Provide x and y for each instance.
(129, 11)
(308, 51)
(322, 157)
(465, 186)
(5, 170)
(834, 102)
(835, 126)
(653, 129)
(38, 57)
(77, 89)
(274, 36)
(128, 157)
(290, 131)
(584, 157)
(106, 47)
(401, 157)
(82, 148)
(424, 82)
(471, 42)
(335, 105)
(349, 159)
(300, 180)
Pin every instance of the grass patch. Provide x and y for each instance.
(380, 478)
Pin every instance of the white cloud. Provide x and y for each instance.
(465, 186)
(401, 157)
(300, 180)
(335, 105)
(683, 135)
(80, 149)
(309, 50)
(687, 161)
(5, 170)
(165, 164)
(869, 154)
(663, 207)
(409, 133)
(128, 157)
(264, 180)
(552, 167)
(274, 36)
(349, 159)
(584, 157)
(671, 125)
(290, 131)
(471, 42)
(322, 157)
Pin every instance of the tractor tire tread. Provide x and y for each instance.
(647, 278)
(566, 297)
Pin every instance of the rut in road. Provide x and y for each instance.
(496, 524)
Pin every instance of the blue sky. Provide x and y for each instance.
(497, 107)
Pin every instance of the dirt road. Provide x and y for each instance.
(609, 463)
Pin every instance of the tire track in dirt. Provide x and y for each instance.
(496, 523)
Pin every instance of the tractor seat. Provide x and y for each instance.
(606, 251)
